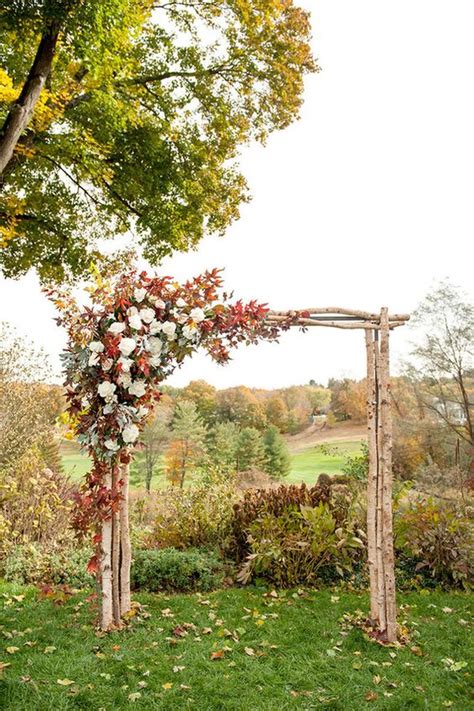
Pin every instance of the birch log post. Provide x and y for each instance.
(381, 607)
(372, 477)
(125, 546)
(387, 480)
(106, 604)
(115, 553)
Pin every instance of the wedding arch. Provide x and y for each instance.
(135, 331)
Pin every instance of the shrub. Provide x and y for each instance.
(196, 517)
(295, 547)
(295, 535)
(439, 539)
(35, 504)
(32, 564)
(257, 503)
(176, 571)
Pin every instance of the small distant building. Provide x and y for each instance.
(451, 411)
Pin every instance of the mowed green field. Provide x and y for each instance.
(309, 463)
(305, 465)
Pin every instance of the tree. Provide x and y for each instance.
(441, 367)
(277, 412)
(27, 407)
(240, 405)
(186, 451)
(156, 434)
(442, 361)
(204, 397)
(127, 116)
(250, 450)
(223, 445)
(277, 456)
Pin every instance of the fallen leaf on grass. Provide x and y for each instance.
(12, 650)
(65, 682)
(218, 655)
(371, 696)
(178, 669)
(417, 650)
(49, 650)
(135, 696)
(249, 651)
(4, 665)
(167, 686)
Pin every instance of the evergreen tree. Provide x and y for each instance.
(250, 450)
(223, 445)
(277, 456)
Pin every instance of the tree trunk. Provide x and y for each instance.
(126, 549)
(22, 109)
(106, 615)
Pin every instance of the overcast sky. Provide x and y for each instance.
(362, 203)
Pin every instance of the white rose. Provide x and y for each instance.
(109, 408)
(169, 329)
(137, 388)
(180, 303)
(139, 295)
(96, 347)
(147, 315)
(160, 304)
(135, 322)
(117, 327)
(142, 412)
(189, 332)
(181, 318)
(127, 346)
(155, 345)
(112, 445)
(197, 315)
(125, 363)
(130, 433)
(155, 361)
(124, 380)
(155, 327)
(107, 390)
(93, 359)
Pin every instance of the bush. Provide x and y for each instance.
(197, 517)
(294, 535)
(176, 571)
(35, 504)
(439, 539)
(32, 564)
(257, 503)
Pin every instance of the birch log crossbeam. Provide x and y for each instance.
(377, 327)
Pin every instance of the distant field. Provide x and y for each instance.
(306, 465)
(309, 463)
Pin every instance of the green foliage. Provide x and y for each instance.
(257, 503)
(141, 122)
(196, 517)
(173, 570)
(277, 456)
(357, 467)
(439, 538)
(295, 547)
(223, 447)
(35, 504)
(58, 565)
(250, 450)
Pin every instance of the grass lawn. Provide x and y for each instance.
(270, 654)
(309, 463)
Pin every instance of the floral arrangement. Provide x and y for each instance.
(136, 331)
